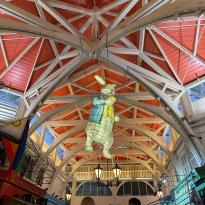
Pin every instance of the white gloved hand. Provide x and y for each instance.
(117, 119)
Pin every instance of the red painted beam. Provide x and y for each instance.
(11, 184)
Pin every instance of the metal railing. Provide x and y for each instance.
(21, 202)
(160, 202)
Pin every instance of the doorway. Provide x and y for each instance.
(134, 201)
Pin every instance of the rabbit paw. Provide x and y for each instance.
(107, 154)
(117, 119)
(88, 148)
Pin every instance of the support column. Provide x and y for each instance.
(190, 117)
(21, 109)
(114, 194)
(73, 190)
(187, 107)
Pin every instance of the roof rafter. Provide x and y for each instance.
(57, 123)
(4, 52)
(147, 8)
(133, 50)
(18, 57)
(59, 18)
(73, 98)
(178, 45)
(111, 6)
(37, 55)
(146, 73)
(26, 16)
(122, 14)
(196, 41)
(70, 7)
(165, 56)
(53, 81)
(167, 10)
(8, 25)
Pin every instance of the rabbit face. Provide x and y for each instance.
(108, 90)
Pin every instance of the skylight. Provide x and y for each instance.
(198, 92)
(9, 103)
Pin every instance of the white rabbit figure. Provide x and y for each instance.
(100, 126)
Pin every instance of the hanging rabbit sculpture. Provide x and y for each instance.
(102, 118)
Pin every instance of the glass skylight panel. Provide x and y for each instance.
(49, 138)
(34, 119)
(9, 103)
(197, 92)
(60, 152)
(168, 136)
(10, 99)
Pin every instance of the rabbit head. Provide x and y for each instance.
(107, 89)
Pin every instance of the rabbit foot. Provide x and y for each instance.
(107, 154)
(89, 149)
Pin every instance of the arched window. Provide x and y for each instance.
(135, 189)
(92, 189)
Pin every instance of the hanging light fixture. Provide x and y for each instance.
(98, 171)
(159, 191)
(68, 193)
(68, 196)
(160, 194)
(163, 179)
(116, 171)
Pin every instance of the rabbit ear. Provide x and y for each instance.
(100, 80)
